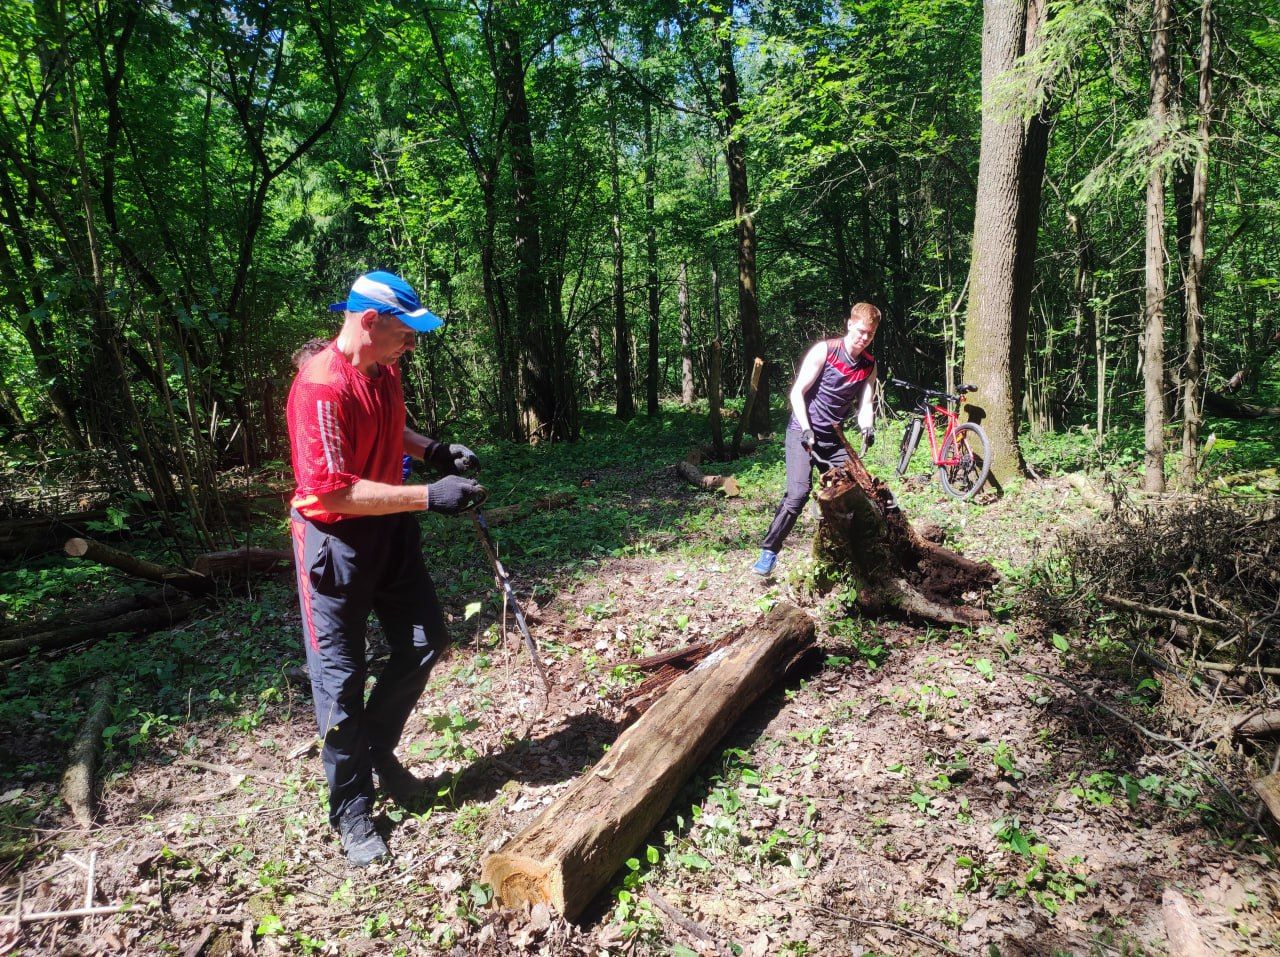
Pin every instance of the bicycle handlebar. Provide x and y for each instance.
(935, 393)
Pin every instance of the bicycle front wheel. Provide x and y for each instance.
(968, 456)
(910, 437)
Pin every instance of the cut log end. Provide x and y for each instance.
(518, 881)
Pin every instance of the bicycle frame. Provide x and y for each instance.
(935, 447)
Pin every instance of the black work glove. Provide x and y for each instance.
(869, 437)
(806, 439)
(450, 459)
(454, 494)
(464, 460)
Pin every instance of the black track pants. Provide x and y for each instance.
(345, 571)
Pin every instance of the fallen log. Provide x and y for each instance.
(184, 578)
(1261, 725)
(171, 608)
(864, 534)
(79, 781)
(33, 536)
(241, 562)
(756, 369)
(1268, 789)
(1180, 926)
(726, 483)
(572, 849)
(76, 616)
(505, 514)
(1087, 492)
(1219, 405)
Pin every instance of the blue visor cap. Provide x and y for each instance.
(388, 294)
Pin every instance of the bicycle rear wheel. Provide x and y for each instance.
(910, 438)
(971, 452)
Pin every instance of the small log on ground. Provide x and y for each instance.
(1268, 789)
(1087, 492)
(756, 369)
(79, 781)
(726, 483)
(1261, 725)
(169, 608)
(505, 514)
(241, 562)
(865, 534)
(76, 616)
(572, 849)
(184, 578)
(1180, 926)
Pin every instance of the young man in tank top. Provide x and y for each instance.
(835, 374)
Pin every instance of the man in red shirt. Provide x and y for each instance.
(356, 545)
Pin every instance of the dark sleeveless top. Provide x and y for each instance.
(839, 384)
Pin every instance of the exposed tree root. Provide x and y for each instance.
(895, 569)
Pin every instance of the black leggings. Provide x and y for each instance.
(800, 482)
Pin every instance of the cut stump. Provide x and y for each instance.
(572, 849)
(864, 534)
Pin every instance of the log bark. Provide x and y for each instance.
(173, 608)
(79, 781)
(1087, 492)
(241, 562)
(572, 849)
(756, 371)
(713, 401)
(726, 483)
(864, 534)
(184, 578)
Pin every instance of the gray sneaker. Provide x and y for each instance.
(360, 839)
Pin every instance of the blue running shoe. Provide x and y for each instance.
(764, 564)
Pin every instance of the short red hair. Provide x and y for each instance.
(864, 310)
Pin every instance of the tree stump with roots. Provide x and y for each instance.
(894, 568)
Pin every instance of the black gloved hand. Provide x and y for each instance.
(869, 437)
(806, 439)
(454, 494)
(464, 460)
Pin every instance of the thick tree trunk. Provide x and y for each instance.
(996, 326)
(549, 391)
(1193, 367)
(735, 154)
(863, 534)
(1153, 328)
(686, 337)
(572, 849)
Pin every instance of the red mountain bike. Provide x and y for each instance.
(962, 454)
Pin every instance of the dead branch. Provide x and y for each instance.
(170, 609)
(184, 578)
(756, 369)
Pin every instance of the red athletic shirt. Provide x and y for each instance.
(343, 426)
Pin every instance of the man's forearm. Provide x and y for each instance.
(375, 498)
(867, 408)
(798, 407)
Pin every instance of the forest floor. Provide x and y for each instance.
(905, 790)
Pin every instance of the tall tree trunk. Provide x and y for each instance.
(651, 255)
(625, 405)
(1193, 368)
(1153, 335)
(735, 154)
(686, 337)
(1010, 172)
(548, 378)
